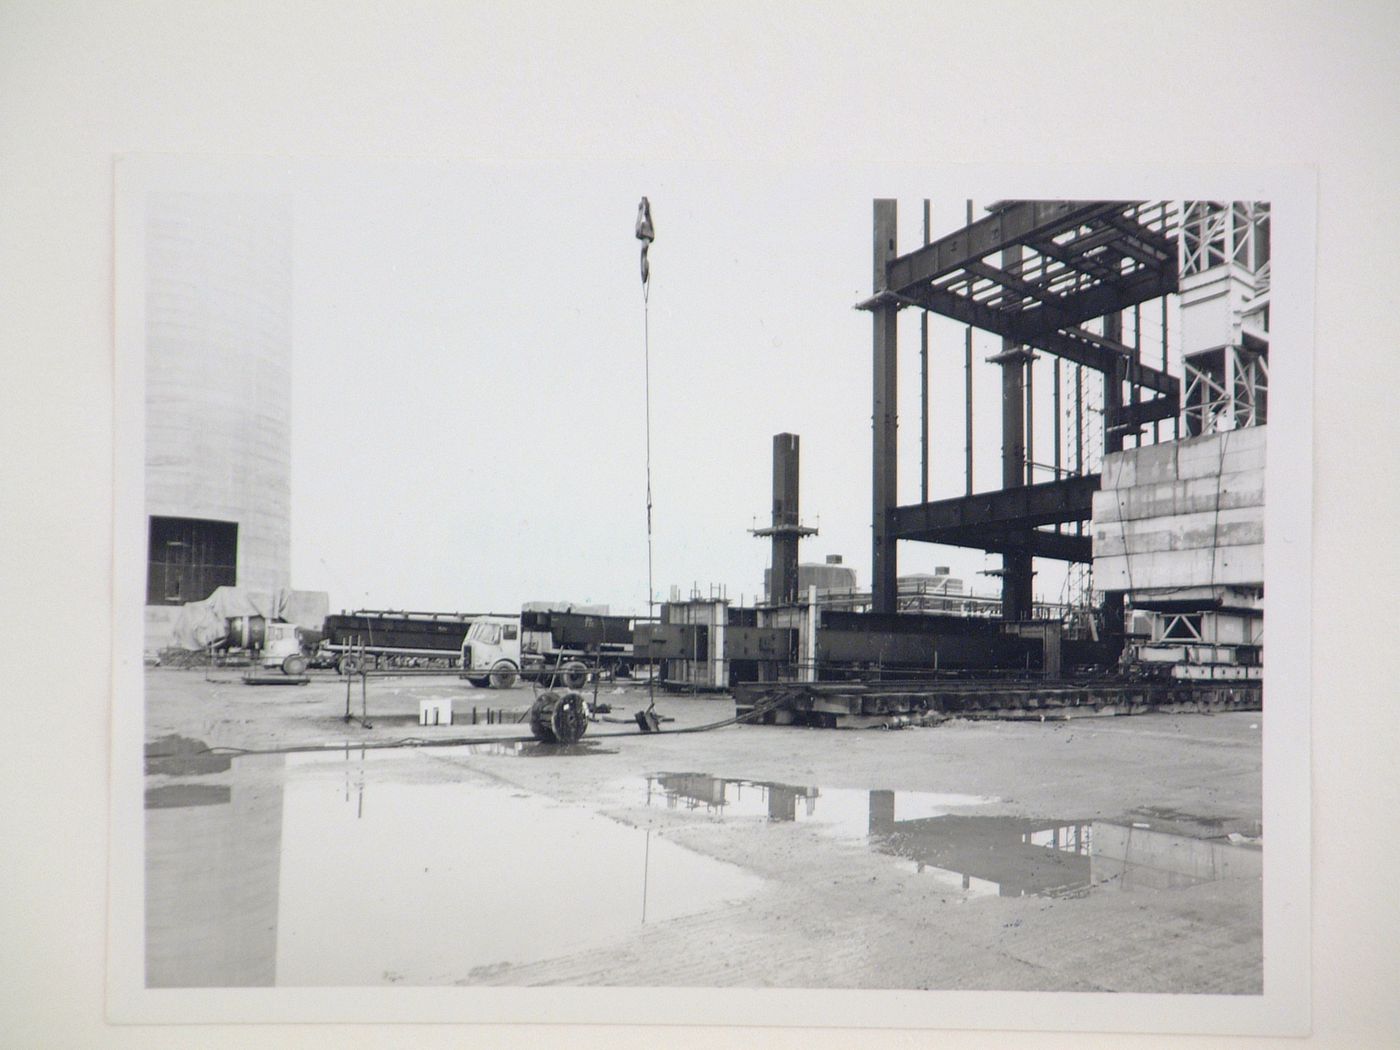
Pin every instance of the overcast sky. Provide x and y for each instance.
(468, 408)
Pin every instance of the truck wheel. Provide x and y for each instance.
(575, 675)
(294, 664)
(503, 675)
(348, 665)
(546, 680)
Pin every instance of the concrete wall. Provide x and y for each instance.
(1182, 514)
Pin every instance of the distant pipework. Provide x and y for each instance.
(787, 527)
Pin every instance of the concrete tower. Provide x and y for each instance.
(218, 397)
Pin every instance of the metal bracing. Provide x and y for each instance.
(1216, 232)
(1226, 389)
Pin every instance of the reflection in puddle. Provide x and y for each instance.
(177, 796)
(527, 749)
(309, 876)
(982, 856)
(211, 880)
(183, 756)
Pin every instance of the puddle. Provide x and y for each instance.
(320, 870)
(845, 812)
(176, 796)
(979, 855)
(183, 756)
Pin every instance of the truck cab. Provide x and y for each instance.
(282, 648)
(491, 652)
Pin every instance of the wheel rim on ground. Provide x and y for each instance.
(569, 719)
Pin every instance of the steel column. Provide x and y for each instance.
(967, 368)
(884, 572)
(923, 384)
(1112, 387)
(785, 519)
(1112, 442)
(1015, 564)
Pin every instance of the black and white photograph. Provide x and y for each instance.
(697, 525)
(799, 589)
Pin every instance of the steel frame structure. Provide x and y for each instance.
(1035, 273)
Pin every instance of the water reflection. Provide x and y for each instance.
(359, 869)
(183, 756)
(212, 880)
(980, 855)
(531, 749)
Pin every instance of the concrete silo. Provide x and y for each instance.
(218, 332)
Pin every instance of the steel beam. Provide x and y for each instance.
(1015, 224)
(1010, 281)
(884, 573)
(1073, 343)
(1086, 265)
(1083, 348)
(1023, 507)
(1159, 244)
(1059, 546)
(1073, 310)
(1133, 417)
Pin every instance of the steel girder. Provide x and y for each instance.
(1005, 519)
(1017, 224)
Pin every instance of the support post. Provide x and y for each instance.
(1015, 565)
(1113, 442)
(1112, 386)
(884, 573)
(786, 529)
(923, 383)
(967, 370)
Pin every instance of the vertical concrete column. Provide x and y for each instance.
(884, 572)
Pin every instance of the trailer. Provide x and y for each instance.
(548, 647)
(368, 638)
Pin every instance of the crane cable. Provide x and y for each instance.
(646, 233)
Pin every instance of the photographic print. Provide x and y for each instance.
(811, 596)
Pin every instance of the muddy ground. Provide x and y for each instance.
(932, 878)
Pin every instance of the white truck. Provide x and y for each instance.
(549, 647)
